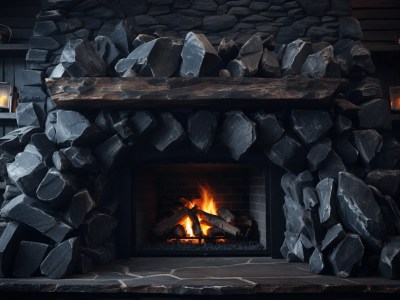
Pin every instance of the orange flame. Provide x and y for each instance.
(205, 203)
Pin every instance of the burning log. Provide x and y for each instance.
(195, 221)
(216, 221)
(179, 231)
(167, 224)
(226, 215)
(214, 231)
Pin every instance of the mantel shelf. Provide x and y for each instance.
(101, 92)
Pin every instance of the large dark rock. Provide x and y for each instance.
(17, 138)
(310, 125)
(326, 190)
(294, 215)
(387, 181)
(368, 143)
(317, 262)
(98, 229)
(389, 262)
(342, 124)
(346, 107)
(43, 147)
(268, 127)
(270, 66)
(293, 185)
(28, 258)
(318, 154)
(288, 154)
(35, 214)
(81, 59)
(346, 255)
(67, 127)
(350, 28)
(61, 261)
(123, 36)
(27, 171)
(359, 211)
(11, 191)
(333, 236)
(375, 114)
(81, 159)
(143, 122)
(228, 50)
(108, 152)
(9, 241)
(219, 22)
(237, 68)
(125, 131)
(80, 204)
(157, 58)
(168, 132)
(201, 128)
(331, 167)
(389, 156)
(251, 53)
(32, 94)
(365, 89)
(294, 57)
(28, 114)
(105, 120)
(199, 57)
(321, 65)
(56, 188)
(238, 133)
(60, 161)
(310, 198)
(107, 51)
(293, 249)
(346, 150)
(141, 39)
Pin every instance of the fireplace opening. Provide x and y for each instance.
(200, 209)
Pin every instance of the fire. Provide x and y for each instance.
(205, 203)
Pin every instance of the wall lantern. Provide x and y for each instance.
(5, 97)
(395, 98)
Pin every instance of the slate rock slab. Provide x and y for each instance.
(318, 154)
(36, 215)
(56, 188)
(359, 211)
(238, 133)
(80, 204)
(270, 66)
(199, 57)
(108, 152)
(268, 127)
(368, 143)
(342, 124)
(317, 262)
(123, 36)
(375, 114)
(60, 161)
(354, 59)
(9, 241)
(28, 258)
(294, 57)
(346, 150)
(310, 125)
(326, 191)
(27, 171)
(387, 181)
(346, 255)
(228, 50)
(67, 127)
(158, 58)
(81, 159)
(389, 261)
(17, 138)
(251, 52)
(333, 235)
(288, 153)
(107, 51)
(44, 148)
(332, 166)
(202, 128)
(81, 59)
(61, 261)
(143, 122)
(168, 132)
(310, 198)
(321, 65)
(237, 68)
(28, 115)
(366, 89)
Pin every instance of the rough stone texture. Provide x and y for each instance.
(368, 143)
(28, 258)
(202, 128)
(334, 235)
(169, 132)
(310, 125)
(389, 262)
(32, 213)
(80, 204)
(81, 59)
(199, 57)
(310, 198)
(317, 263)
(294, 57)
(375, 114)
(359, 211)
(270, 65)
(387, 181)
(350, 28)
(228, 50)
(61, 261)
(346, 255)
(123, 36)
(81, 159)
(238, 133)
(251, 53)
(321, 64)
(326, 190)
(288, 153)
(332, 166)
(143, 122)
(108, 152)
(318, 154)
(269, 128)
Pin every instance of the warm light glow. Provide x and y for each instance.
(205, 203)
(395, 103)
(3, 101)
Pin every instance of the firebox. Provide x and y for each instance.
(200, 209)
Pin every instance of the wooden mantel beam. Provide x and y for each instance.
(101, 92)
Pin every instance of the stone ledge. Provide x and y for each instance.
(203, 276)
(100, 92)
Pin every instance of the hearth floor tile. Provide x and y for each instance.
(201, 276)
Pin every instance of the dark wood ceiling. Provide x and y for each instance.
(380, 20)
